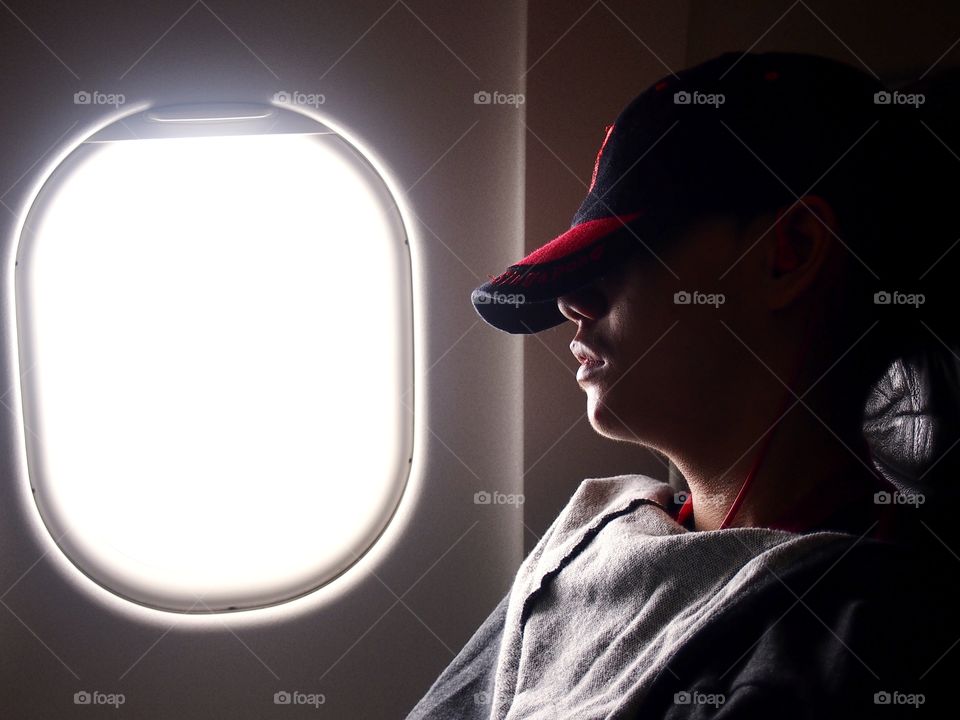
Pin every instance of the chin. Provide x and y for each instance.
(606, 421)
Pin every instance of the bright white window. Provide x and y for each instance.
(214, 321)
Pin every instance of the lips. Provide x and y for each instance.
(585, 354)
(591, 362)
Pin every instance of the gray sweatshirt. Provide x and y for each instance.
(620, 612)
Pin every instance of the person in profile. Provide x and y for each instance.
(762, 262)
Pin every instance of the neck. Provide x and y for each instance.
(809, 470)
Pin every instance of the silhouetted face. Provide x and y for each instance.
(670, 368)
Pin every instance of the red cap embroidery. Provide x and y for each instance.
(596, 164)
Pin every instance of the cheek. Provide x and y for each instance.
(616, 335)
(661, 352)
(636, 356)
(640, 325)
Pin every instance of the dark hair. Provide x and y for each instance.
(893, 194)
(903, 269)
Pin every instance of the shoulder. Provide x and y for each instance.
(594, 502)
(597, 494)
(848, 629)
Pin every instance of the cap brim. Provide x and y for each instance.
(523, 299)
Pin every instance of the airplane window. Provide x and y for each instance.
(214, 315)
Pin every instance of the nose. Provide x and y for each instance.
(587, 303)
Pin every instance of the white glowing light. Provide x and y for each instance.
(214, 336)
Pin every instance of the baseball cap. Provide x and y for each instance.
(739, 134)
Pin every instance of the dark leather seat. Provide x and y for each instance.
(912, 424)
(912, 415)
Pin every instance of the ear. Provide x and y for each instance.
(803, 238)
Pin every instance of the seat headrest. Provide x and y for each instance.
(911, 423)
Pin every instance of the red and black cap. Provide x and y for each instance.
(738, 134)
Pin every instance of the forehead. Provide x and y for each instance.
(695, 247)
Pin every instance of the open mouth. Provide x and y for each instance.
(589, 369)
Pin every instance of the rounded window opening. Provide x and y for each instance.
(214, 320)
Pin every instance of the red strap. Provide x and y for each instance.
(686, 510)
(798, 521)
(768, 435)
